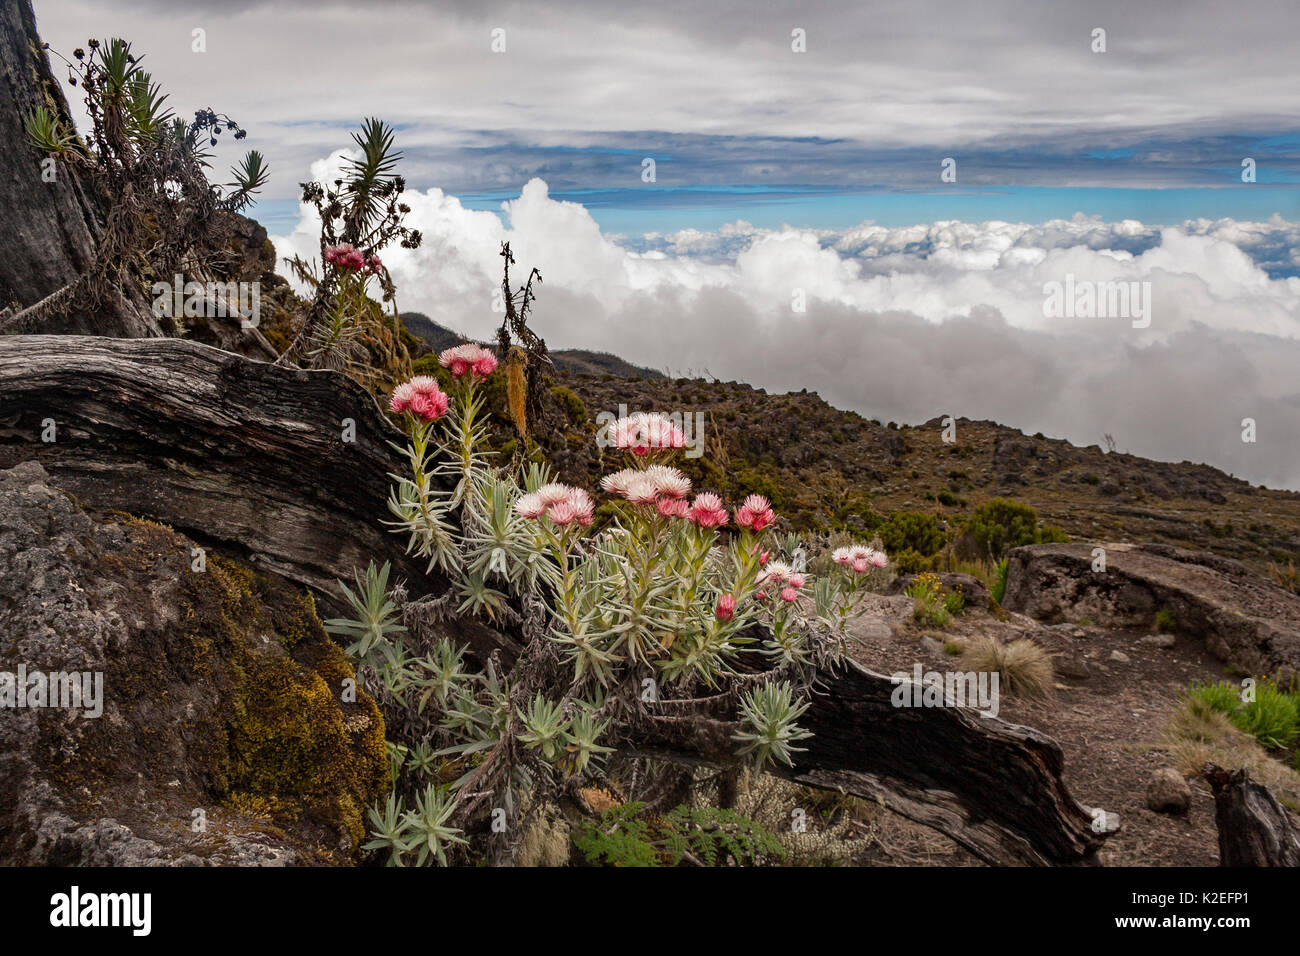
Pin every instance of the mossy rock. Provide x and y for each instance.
(222, 694)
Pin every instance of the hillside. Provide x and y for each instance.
(831, 466)
(573, 361)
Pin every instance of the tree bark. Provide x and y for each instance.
(1254, 829)
(251, 458)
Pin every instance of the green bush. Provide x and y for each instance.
(625, 836)
(568, 399)
(933, 604)
(909, 561)
(1220, 696)
(1271, 717)
(912, 530)
(998, 525)
(1164, 621)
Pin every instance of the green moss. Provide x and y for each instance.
(283, 743)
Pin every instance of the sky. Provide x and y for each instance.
(870, 200)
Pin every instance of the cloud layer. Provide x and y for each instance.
(715, 91)
(909, 323)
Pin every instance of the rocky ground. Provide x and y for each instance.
(1116, 683)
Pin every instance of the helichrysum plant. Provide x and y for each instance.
(634, 622)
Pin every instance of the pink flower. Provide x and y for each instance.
(756, 513)
(795, 580)
(776, 571)
(789, 595)
(642, 433)
(562, 513)
(374, 265)
(467, 358)
(345, 256)
(707, 510)
(422, 397)
(584, 509)
(530, 506)
(860, 558)
(673, 507)
(641, 491)
(726, 607)
(669, 481)
(554, 493)
(617, 483)
(430, 405)
(764, 558)
(401, 398)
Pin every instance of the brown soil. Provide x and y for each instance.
(1108, 725)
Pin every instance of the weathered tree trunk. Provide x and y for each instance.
(50, 228)
(252, 458)
(1254, 829)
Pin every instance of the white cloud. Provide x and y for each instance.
(909, 323)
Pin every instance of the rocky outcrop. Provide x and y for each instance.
(212, 727)
(1244, 620)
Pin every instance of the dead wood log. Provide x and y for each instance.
(1254, 829)
(992, 786)
(251, 458)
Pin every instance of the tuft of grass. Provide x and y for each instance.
(1164, 621)
(1221, 696)
(1024, 668)
(953, 648)
(1272, 718)
(1198, 732)
(1285, 577)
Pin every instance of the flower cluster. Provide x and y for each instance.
(707, 511)
(422, 397)
(347, 256)
(778, 576)
(643, 433)
(666, 489)
(562, 504)
(469, 359)
(756, 513)
(860, 558)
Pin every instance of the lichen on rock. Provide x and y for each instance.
(226, 736)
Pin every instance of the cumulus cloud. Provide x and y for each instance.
(907, 323)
